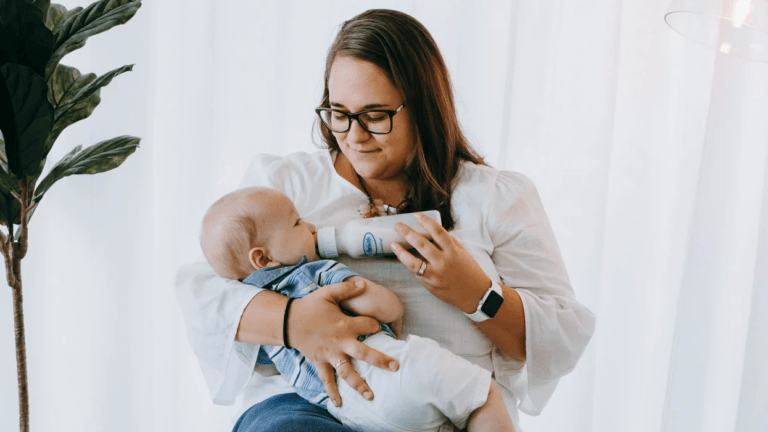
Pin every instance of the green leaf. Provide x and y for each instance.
(65, 80)
(7, 181)
(10, 209)
(26, 118)
(43, 5)
(74, 97)
(11, 180)
(80, 91)
(24, 39)
(98, 158)
(96, 18)
(3, 160)
(57, 14)
(65, 83)
(5, 193)
(55, 174)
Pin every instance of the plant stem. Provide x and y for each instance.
(21, 346)
(13, 252)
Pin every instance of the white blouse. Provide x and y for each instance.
(499, 220)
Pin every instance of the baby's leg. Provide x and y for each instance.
(491, 417)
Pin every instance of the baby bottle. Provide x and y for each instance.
(368, 238)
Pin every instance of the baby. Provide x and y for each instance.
(256, 235)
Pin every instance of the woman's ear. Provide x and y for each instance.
(259, 258)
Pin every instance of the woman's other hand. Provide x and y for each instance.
(326, 336)
(451, 274)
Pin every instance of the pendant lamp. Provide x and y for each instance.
(733, 27)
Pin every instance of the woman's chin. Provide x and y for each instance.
(369, 169)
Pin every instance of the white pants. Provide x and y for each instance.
(433, 390)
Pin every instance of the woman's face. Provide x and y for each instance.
(356, 85)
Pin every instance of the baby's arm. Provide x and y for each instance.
(375, 301)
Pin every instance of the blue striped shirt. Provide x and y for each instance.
(297, 281)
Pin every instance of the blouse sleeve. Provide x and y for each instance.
(212, 305)
(527, 258)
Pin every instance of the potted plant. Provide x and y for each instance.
(39, 98)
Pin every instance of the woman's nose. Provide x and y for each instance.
(357, 133)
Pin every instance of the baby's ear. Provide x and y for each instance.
(259, 258)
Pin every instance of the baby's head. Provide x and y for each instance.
(253, 228)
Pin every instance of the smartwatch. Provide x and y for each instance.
(489, 304)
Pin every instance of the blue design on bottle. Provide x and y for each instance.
(370, 248)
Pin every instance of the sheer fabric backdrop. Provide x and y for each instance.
(648, 150)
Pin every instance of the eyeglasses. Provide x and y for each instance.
(374, 121)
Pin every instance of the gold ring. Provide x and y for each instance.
(421, 270)
(341, 362)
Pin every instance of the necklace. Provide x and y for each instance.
(375, 207)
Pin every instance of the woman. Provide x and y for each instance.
(492, 286)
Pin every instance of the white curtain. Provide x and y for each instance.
(649, 152)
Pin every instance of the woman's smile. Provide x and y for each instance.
(366, 151)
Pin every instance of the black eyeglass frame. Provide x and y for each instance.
(356, 116)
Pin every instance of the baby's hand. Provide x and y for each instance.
(374, 301)
(397, 327)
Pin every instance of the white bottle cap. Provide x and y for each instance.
(326, 242)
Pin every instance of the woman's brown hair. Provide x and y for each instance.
(403, 48)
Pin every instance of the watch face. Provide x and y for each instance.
(492, 304)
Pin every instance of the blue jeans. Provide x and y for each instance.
(287, 412)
